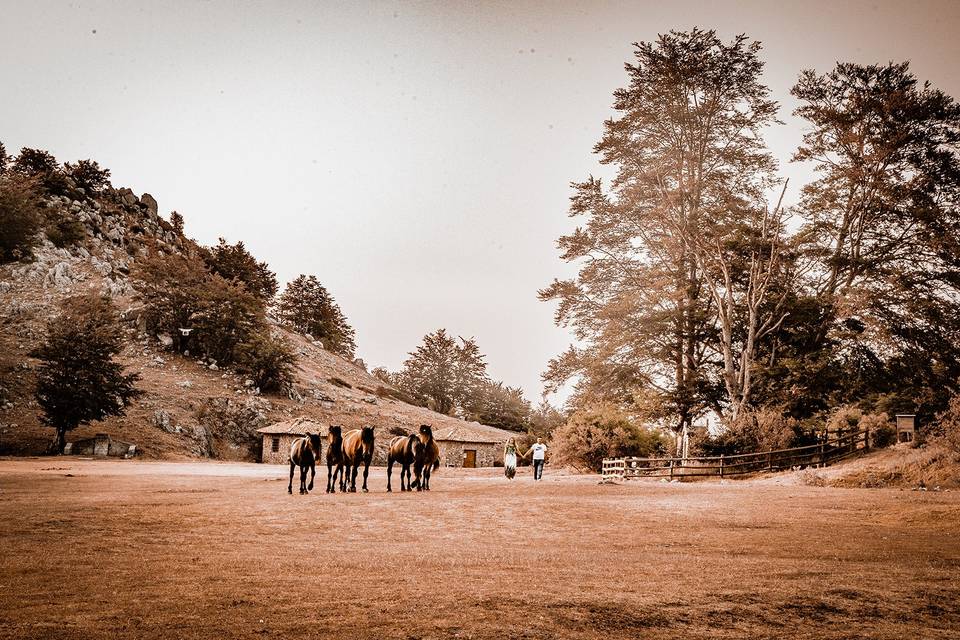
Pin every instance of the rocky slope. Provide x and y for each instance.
(191, 408)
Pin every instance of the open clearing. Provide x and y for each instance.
(206, 550)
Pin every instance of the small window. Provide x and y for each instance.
(275, 445)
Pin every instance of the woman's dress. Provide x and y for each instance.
(510, 462)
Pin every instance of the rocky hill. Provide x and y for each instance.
(191, 408)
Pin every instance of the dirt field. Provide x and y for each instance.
(171, 550)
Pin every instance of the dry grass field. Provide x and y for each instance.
(96, 549)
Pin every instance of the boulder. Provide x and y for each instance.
(150, 203)
(165, 339)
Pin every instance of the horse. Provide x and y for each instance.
(357, 449)
(428, 460)
(334, 457)
(304, 453)
(404, 450)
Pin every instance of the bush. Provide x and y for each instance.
(883, 433)
(269, 362)
(42, 167)
(64, 230)
(590, 435)
(763, 429)
(20, 218)
(844, 419)
(947, 429)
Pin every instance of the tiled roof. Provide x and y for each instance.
(473, 432)
(297, 426)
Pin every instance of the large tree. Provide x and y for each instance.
(883, 226)
(235, 262)
(690, 167)
(78, 380)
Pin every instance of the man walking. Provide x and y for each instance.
(539, 456)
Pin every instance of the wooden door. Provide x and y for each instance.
(470, 458)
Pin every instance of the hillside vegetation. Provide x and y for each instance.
(82, 235)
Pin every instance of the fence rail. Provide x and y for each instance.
(828, 451)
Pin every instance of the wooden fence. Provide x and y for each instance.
(828, 451)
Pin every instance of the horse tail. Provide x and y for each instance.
(436, 464)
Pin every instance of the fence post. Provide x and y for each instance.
(823, 452)
(866, 439)
(769, 460)
(671, 468)
(721, 466)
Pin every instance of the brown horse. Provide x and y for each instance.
(403, 450)
(334, 457)
(357, 449)
(304, 453)
(428, 460)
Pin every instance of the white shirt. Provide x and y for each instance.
(539, 451)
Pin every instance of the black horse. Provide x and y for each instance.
(334, 457)
(357, 450)
(428, 459)
(304, 453)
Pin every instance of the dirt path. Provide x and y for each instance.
(199, 550)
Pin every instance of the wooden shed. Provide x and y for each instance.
(471, 445)
(906, 427)
(277, 438)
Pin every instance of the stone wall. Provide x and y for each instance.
(282, 454)
(101, 445)
(452, 453)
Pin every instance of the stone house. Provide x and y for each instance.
(277, 438)
(471, 445)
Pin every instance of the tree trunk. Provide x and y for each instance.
(59, 443)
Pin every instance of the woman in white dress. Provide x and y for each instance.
(510, 459)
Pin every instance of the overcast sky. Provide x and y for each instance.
(414, 156)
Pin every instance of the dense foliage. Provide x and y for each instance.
(207, 315)
(594, 433)
(698, 293)
(78, 380)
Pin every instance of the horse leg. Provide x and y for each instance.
(329, 475)
(313, 474)
(354, 469)
(389, 471)
(366, 470)
(404, 471)
(290, 484)
(426, 478)
(303, 479)
(343, 477)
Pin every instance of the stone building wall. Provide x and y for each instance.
(282, 454)
(452, 453)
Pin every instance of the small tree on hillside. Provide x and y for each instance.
(20, 218)
(78, 380)
(234, 262)
(307, 307)
(88, 175)
(444, 372)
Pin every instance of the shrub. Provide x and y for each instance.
(20, 218)
(269, 362)
(882, 431)
(592, 434)
(64, 230)
(41, 166)
(763, 429)
(844, 419)
(947, 429)
(78, 380)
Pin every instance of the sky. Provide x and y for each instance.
(414, 156)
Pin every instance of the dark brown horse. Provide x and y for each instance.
(403, 450)
(304, 453)
(334, 457)
(357, 450)
(428, 460)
